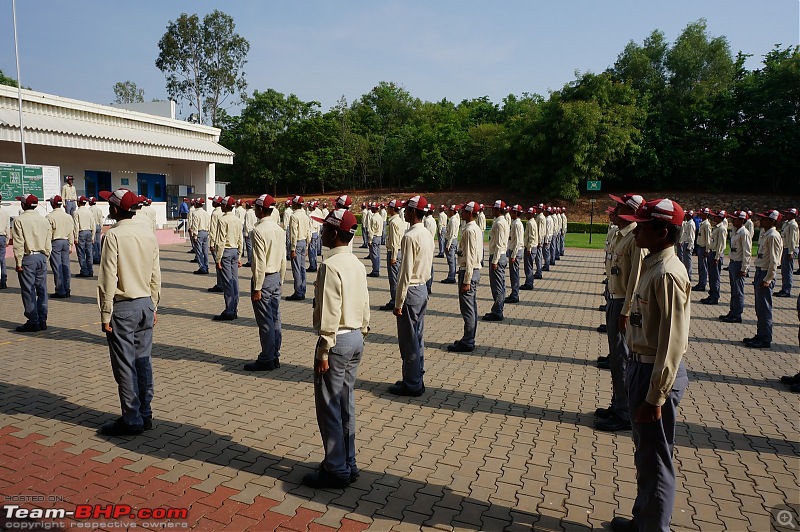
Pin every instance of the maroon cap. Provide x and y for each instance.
(471, 206)
(742, 215)
(297, 199)
(344, 201)
(83, 199)
(417, 202)
(394, 204)
(516, 208)
(340, 219)
(228, 201)
(265, 200)
(665, 210)
(499, 204)
(772, 215)
(28, 200)
(121, 198)
(56, 200)
(634, 201)
(200, 201)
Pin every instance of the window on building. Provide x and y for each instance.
(96, 181)
(152, 186)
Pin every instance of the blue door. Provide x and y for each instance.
(97, 181)
(153, 186)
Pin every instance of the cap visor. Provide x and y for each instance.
(634, 218)
(616, 198)
(318, 219)
(105, 194)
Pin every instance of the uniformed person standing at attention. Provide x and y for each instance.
(216, 214)
(395, 229)
(688, 232)
(430, 225)
(703, 242)
(770, 246)
(714, 254)
(63, 236)
(32, 236)
(269, 269)
(375, 230)
(229, 246)
(741, 251)
(299, 235)
(563, 229)
(498, 243)
(451, 245)
(531, 245)
(365, 213)
(128, 293)
(341, 319)
(470, 257)
(84, 221)
(69, 195)
(98, 228)
(790, 237)
(547, 258)
(411, 299)
(314, 247)
(5, 232)
(480, 220)
(248, 225)
(516, 245)
(441, 222)
(199, 229)
(541, 226)
(656, 376)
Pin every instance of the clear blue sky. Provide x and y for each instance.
(321, 50)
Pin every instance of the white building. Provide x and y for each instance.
(107, 147)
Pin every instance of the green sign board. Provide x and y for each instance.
(16, 180)
(593, 186)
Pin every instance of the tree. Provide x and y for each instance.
(128, 92)
(203, 62)
(5, 80)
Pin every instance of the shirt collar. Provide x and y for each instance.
(627, 229)
(659, 256)
(338, 251)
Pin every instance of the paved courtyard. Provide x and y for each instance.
(503, 438)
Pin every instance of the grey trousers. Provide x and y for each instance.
(33, 287)
(513, 273)
(468, 304)
(299, 268)
(618, 355)
(451, 261)
(737, 289)
(392, 271)
(220, 280)
(335, 399)
(70, 206)
(410, 329)
(268, 318)
(84, 249)
(538, 261)
(313, 251)
(553, 251)
(130, 345)
(702, 266)
(528, 262)
(763, 300)
(654, 444)
(546, 257)
(59, 262)
(787, 273)
(714, 275)
(441, 242)
(248, 246)
(201, 250)
(98, 235)
(561, 243)
(230, 280)
(686, 258)
(375, 254)
(3, 272)
(497, 282)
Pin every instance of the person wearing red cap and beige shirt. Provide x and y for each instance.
(412, 299)
(98, 228)
(84, 227)
(516, 247)
(441, 224)
(5, 232)
(451, 245)
(541, 226)
(216, 214)
(394, 232)
(714, 255)
(199, 228)
(790, 237)
(770, 246)
(703, 243)
(128, 294)
(656, 377)
(498, 244)
(375, 229)
(470, 258)
(430, 225)
(32, 238)
(69, 194)
(268, 265)
(299, 239)
(741, 250)
(341, 319)
(531, 245)
(229, 246)
(63, 236)
(623, 269)
(688, 232)
(249, 223)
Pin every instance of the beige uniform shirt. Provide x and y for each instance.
(98, 215)
(719, 239)
(470, 250)
(201, 221)
(704, 233)
(276, 216)
(531, 234)
(626, 256)
(84, 220)
(541, 225)
(612, 230)
(415, 268)
(442, 221)
(299, 228)
(394, 235)
(250, 221)
(549, 228)
(789, 235)
(770, 247)
(516, 241)
(430, 225)
(5, 223)
(339, 274)
(315, 226)
(451, 232)
(662, 299)
(287, 217)
(229, 235)
(750, 228)
(365, 214)
(269, 251)
(239, 212)
(216, 214)
(498, 239)
(563, 223)
(375, 225)
(62, 225)
(742, 247)
(31, 234)
(507, 217)
(69, 192)
(129, 267)
(480, 220)
(688, 232)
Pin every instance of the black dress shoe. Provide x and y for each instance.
(731, 319)
(148, 422)
(355, 476)
(439, 256)
(118, 427)
(602, 359)
(201, 272)
(190, 251)
(622, 524)
(194, 261)
(248, 264)
(603, 413)
(58, 296)
(216, 289)
(781, 293)
(790, 380)
(492, 317)
(458, 347)
(602, 328)
(537, 276)
(604, 365)
(448, 281)
(403, 390)
(709, 301)
(321, 479)
(699, 288)
(526, 287)
(794, 388)
(758, 344)
(604, 281)
(373, 274)
(42, 325)
(82, 275)
(29, 326)
(295, 297)
(308, 270)
(612, 424)
(261, 366)
(225, 317)
(601, 308)
(3, 286)
(512, 300)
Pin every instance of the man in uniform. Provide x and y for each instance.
(31, 235)
(553, 230)
(365, 213)
(5, 230)
(411, 299)
(188, 226)
(229, 246)
(656, 377)
(498, 243)
(541, 226)
(183, 214)
(375, 230)
(286, 221)
(269, 269)
(199, 229)
(480, 219)
(430, 225)
(548, 237)
(98, 228)
(622, 268)
(441, 222)
(148, 210)
(703, 242)
(84, 221)
(128, 293)
(299, 236)
(714, 254)
(563, 229)
(382, 213)
(314, 247)
(770, 246)
(790, 237)
(216, 214)
(248, 225)
(470, 258)
(688, 232)
(741, 246)
(451, 245)
(69, 195)
(63, 235)
(341, 319)
(516, 245)
(394, 229)
(531, 247)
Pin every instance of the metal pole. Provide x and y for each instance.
(591, 223)
(19, 83)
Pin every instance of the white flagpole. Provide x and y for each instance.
(19, 83)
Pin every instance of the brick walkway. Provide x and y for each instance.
(502, 439)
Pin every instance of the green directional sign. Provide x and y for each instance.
(593, 186)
